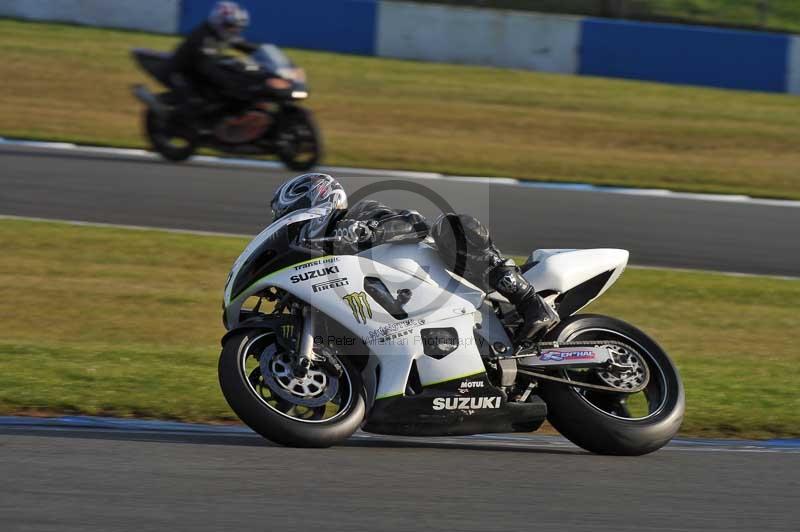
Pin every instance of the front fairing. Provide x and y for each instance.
(270, 251)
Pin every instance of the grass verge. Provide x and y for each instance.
(72, 83)
(127, 323)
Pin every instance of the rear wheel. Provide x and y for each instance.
(320, 408)
(299, 143)
(616, 423)
(171, 141)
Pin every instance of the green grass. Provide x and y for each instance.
(72, 83)
(127, 323)
(778, 15)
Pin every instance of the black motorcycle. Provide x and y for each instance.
(268, 121)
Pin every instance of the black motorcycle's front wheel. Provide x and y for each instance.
(616, 423)
(299, 143)
(319, 408)
(169, 140)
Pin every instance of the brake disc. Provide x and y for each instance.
(627, 371)
(316, 388)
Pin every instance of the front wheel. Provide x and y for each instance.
(320, 408)
(610, 423)
(299, 143)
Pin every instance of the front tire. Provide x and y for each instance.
(260, 413)
(603, 423)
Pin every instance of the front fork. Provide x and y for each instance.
(305, 355)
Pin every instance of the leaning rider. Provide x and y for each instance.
(195, 62)
(462, 241)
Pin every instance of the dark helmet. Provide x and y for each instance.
(228, 19)
(305, 191)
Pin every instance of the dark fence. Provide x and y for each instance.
(774, 15)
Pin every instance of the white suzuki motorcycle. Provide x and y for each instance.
(392, 342)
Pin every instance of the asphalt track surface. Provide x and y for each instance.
(717, 235)
(211, 479)
(66, 478)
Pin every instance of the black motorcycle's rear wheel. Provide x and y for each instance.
(169, 140)
(609, 423)
(299, 143)
(321, 409)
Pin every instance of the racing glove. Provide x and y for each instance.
(352, 232)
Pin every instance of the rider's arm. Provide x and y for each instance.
(383, 224)
(206, 57)
(402, 226)
(244, 46)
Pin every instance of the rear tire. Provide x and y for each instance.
(597, 431)
(163, 141)
(299, 140)
(279, 428)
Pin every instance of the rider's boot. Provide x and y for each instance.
(538, 316)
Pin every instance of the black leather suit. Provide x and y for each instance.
(463, 243)
(462, 240)
(197, 58)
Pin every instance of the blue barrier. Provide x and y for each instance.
(685, 54)
(346, 26)
(667, 53)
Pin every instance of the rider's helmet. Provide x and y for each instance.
(228, 19)
(308, 190)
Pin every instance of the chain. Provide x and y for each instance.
(578, 384)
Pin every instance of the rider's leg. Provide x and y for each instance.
(538, 316)
(466, 246)
(190, 103)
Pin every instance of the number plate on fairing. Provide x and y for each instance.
(566, 356)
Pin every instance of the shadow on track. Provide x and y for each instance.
(253, 440)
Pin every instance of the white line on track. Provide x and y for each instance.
(83, 223)
(503, 181)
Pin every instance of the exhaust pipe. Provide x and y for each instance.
(144, 95)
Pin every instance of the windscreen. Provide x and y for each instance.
(271, 58)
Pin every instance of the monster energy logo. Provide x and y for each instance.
(359, 305)
(287, 330)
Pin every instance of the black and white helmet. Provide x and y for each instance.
(305, 191)
(228, 19)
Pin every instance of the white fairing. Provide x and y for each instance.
(438, 300)
(559, 270)
(299, 216)
(337, 286)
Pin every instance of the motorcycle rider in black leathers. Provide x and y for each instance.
(195, 67)
(462, 241)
